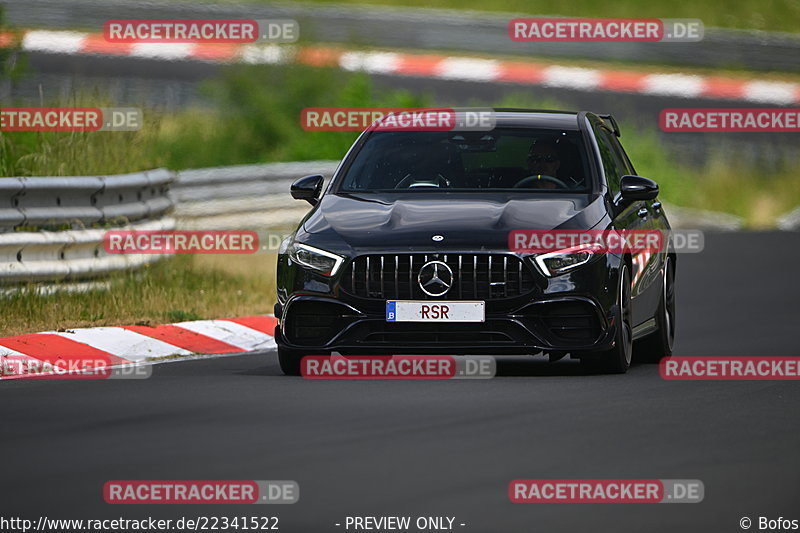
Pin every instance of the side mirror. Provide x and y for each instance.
(638, 188)
(308, 188)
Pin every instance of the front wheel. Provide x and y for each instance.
(659, 343)
(617, 360)
(289, 361)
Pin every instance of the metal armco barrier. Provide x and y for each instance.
(46, 232)
(50, 256)
(51, 229)
(246, 196)
(78, 202)
(790, 221)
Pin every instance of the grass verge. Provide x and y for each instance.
(256, 119)
(178, 289)
(723, 183)
(772, 15)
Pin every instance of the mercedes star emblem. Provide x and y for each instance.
(435, 278)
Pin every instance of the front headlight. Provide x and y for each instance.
(326, 263)
(556, 263)
(285, 243)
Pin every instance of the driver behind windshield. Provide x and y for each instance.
(544, 160)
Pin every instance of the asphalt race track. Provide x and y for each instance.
(445, 448)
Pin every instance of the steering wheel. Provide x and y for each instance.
(530, 180)
(409, 182)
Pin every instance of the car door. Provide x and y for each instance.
(636, 217)
(650, 263)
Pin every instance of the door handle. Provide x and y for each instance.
(642, 212)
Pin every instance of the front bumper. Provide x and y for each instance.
(570, 313)
(570, 324)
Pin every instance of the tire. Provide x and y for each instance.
(657, 345)
(617, 359)
(289, 361)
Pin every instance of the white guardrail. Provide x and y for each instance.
(51, 229)
(243, 197)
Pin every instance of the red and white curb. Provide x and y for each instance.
(125, 345)
(425, 65)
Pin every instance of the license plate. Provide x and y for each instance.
(433, 311)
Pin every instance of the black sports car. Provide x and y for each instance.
(407, 250)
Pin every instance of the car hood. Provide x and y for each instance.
(464, 220)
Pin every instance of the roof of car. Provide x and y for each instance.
(564, 120)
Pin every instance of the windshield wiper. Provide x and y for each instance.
(360, 198)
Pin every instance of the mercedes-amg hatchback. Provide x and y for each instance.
(407, 250)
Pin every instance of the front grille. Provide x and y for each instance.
(475, 276)
(313, 323)
(406, 333)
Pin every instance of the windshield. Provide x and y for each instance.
(501, 159)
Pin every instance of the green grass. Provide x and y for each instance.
(256, 120)
(723, 183)
(178, 289)
(78, 153)
(773, 15)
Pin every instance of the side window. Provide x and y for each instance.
(610, 159)
(623, 162)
